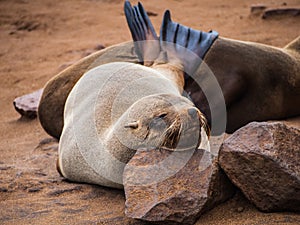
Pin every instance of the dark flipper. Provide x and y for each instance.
(146, 41)
(186, 39)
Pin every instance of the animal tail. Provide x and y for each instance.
(146, 41)
(185, 38)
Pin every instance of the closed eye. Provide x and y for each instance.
(158, 121)
(163, 115)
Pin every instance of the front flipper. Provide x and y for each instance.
(189, 45)
(146, 41)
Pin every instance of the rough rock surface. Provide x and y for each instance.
(27, 105)
(263, 160)
(173, 187)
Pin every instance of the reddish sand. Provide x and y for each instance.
(38, 39)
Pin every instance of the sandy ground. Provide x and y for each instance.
(37, 40)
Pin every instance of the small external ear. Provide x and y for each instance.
(132, 125)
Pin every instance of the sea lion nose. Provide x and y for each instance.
(193, 112)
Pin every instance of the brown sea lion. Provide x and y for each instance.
(117, 108)
(258, 82)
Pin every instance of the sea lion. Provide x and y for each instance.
(117, 108)
(57, 89)
(259, 82)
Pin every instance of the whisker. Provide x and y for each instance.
(172, 134)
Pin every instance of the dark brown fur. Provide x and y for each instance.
(259, 82)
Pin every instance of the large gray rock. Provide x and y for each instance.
(263, 160)
(173, 187)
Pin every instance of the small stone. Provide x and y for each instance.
(48, 141)
(262, 159)
(65, 190)
(3, 189)
(19, 173)
(99, 47)
(150, 13)
(91, 51)
(173, 187)
(27, 105)
(257, 9)
(5, 167)
(65, 65)
(272, 13)
(34, 189)
(75, 211)
(24, 24)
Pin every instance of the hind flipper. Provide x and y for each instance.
(185, 40)
(143, 34)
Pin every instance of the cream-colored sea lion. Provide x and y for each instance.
(57, 89)
(117, 108)
(259, 82)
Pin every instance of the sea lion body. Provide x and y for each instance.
(117, 108)
(57, 89)
(259, 82)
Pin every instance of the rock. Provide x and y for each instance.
(26, 25)
(263, 160)
(27, 105)
(34, 189)
(88, 52)
(99, 47)
(66, 65)
(173, 187)
(3, 189)
(257, 9)
(48, 144)
(150, 13)
(271, 13)
(65, 190)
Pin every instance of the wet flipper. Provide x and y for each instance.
(146, 41)
(189, 45)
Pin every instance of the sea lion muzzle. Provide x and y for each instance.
(179, 131)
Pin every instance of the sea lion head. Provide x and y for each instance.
(164, 121)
